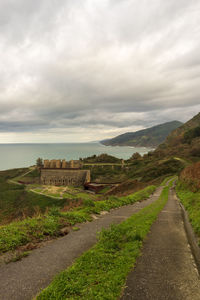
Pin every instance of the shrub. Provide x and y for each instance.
(88, 202)
(191, 134)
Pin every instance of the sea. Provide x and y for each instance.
(25, 155)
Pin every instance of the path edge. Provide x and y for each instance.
(191, 236)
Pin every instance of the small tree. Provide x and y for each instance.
(39, 162)
(136, 156)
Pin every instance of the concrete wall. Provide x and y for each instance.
(64, 177)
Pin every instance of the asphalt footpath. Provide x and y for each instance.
(166, 270)
(22, 280)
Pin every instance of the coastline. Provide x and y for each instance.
(22, 155)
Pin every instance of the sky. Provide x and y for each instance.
(85, 70)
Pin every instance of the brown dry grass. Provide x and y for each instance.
(72, 204)
(191, 175)
(126, 188)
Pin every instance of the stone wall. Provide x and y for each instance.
(58, 164)
(64, 177)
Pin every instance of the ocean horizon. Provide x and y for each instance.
(18, 155)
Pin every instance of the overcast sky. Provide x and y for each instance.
(84, 70)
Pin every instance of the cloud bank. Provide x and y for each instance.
(76, 71)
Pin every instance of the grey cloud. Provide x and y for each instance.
(24, 19)
(110, 64)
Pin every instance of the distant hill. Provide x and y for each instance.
(184, 140)
(150, 137)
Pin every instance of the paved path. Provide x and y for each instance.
(24, 279)
(166, 269)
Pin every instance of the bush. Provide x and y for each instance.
(102, 158)
(195, 151)
(191, 134)
(88, 202)
(54, 211)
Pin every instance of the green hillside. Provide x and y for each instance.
(150, 137)
(183, 141)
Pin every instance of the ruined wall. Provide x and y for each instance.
(72, 164)
(46, 163)
(64, 177)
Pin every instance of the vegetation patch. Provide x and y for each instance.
(17, 202)
(18, 256)
(101, 158)
(191, 176)
(168, 178)
(143, 169)
(101, 272)
(34, 173)
(191, 134)
(75, 228)
(191, 202)
(41, 227)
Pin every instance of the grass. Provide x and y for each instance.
(39, 228)
(17, 202)
(191, 202)
(39, 190)
(18, 256)
(31, 229)
(101, 272)
(61, 192)
(34, 173)
(146, 169)
(168, 178)
(75, 228)
(69, 196)
(105, 190)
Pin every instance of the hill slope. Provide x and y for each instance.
(150, 137)
(185, 140)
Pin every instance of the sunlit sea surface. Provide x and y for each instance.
(24, 155)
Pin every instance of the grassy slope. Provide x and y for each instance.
(16, 202)
(149, 137)
(100, 273)
(191, 202)
(145, 170)
(38, 228)
(184, 141)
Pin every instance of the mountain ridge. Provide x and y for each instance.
(150, 137)
(184, 140)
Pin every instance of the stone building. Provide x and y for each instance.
(61, 172)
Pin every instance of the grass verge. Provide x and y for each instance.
(100, 273)
(18, 256)
(168, 178)
(48, 225)
(191, 202)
